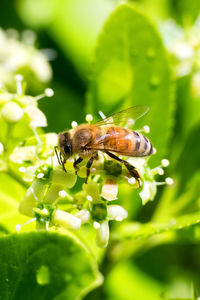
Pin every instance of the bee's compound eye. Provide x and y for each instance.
(67, 149)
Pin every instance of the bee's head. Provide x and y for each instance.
(65, 144)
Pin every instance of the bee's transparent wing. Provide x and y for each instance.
(124, 118)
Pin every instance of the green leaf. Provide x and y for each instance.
(73, 24)
(11, 193)
(185, 11)
(189, 159)
(126, 280)
(131, 68)
(133, 230)
(41, 265)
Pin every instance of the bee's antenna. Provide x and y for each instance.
(58, 158)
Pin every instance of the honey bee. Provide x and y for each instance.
(109, 136)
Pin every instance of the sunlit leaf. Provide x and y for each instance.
(131, 68)
(135, 230)
(127, 282)
(44, 266)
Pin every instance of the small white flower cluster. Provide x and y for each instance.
(15, 106)
(184, 48)
(49, 203)
(20, 109)
(149, 183)
(45, 197)
(17, 55)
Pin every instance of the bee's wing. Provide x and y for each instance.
(125, 117)
(105, 143)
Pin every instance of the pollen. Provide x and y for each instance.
(169, 181)
(74, 124)
(40, 175)
(89, 198)
(62, 194)
(146, 129)
(160, 171)
(49, 92)
(165, 162)
(96, 225)
(89, 118)
(18, 227)
(131, 180)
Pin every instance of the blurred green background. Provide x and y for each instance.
(162, 267)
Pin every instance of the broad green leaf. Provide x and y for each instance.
(131, 68)
(41, 265)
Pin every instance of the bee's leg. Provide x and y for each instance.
(132, 170)
(76, 162)
(89, 165)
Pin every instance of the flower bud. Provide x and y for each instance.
(102, 235)
(92, 190)
(12, 112)
(64, 179)
(109, 190)
(33, 197)
(116, 212)
(66, 219)
(20, 154)
(84, 215)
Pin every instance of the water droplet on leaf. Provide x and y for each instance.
(154, 81)
(43, 275)
(150, 53)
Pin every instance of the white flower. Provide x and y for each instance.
(23, 153)
(139, 163)
(37, 117)
(182, 50)
(40, 66)
(116, 212)
(84, 215)
(17, 55)
(66, 219)
(148, 192)
(102, 234)
(12, 112)
(109, 189)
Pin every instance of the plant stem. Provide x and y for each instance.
(17, 178)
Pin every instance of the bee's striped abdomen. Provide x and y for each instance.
(143, 146)
(124, 141)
